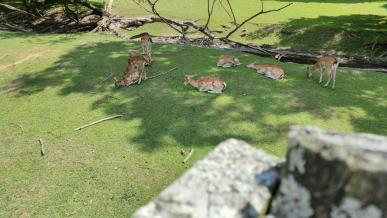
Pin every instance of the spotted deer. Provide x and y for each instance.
(206, 84)
(268, 70)
(327, 64)
(146, 44)
(130, 77)
(137, 62)
(228, 61)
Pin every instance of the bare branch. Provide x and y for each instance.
(252, 17)
(188, 156)
(166, 21)
(160, 74)
(209, 12)
(232, 11)
(42, 152)
(174, 24)
(232, 15)
(99, 121)
(142, 6)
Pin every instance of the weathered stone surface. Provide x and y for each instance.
(328, 174)
(234, 180)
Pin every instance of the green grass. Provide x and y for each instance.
(113, 168)
(340, 26)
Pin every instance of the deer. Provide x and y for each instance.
(268, 70)
(146, 44)
(206, 84)
(228, 61)
(137, 62)
(327, 64)
(130, 77)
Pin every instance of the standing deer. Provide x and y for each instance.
(206, 84)
(327, 64)
(146, 44)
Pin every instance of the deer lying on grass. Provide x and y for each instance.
(269, 70)
(328, 64)
(130, 78)
(135, 71)
(206, 84)
(228, 61)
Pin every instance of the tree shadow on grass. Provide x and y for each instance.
(349, 34)
(253, 108)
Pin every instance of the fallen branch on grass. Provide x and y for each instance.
(188, 156)
(99, 121)
(42, 152)
(160, 74)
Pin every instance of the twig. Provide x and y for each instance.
(42, 152)
(188, 156)
(160, 74)
(98, 121)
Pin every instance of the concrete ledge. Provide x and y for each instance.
(233, 180)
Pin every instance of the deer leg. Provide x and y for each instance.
(150, 50)
(145, 75)
(329, 79)
(139, 79)
(321, 74)
(334, 77)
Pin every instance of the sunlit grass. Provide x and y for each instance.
(113, 168)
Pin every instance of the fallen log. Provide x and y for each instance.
(283, 55)
(307, 57)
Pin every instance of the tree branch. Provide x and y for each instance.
(166, 21)
(252, 17)
(209, 12)
(184, 25)
(231, 9)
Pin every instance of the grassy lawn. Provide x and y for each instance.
(340, 26)
(51, 84)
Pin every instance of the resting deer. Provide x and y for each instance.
(228, 61)
(206, 84)
(146, 44)
(137, 62)
(269, 70)
(130, 78)
(328, 64)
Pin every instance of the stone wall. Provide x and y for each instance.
(329, 174)
(326, 174)
(223, 184)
